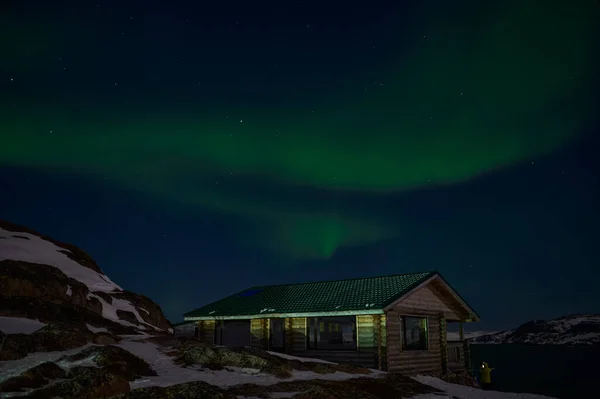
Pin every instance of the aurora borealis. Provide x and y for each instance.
(303, 132)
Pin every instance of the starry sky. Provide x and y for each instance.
(198, 148)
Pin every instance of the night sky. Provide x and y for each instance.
(197, 148)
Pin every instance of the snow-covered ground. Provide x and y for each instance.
(19, 325)
(12, 368)
(172, 374)
(454, 391)
(300, 359)
(34, 249)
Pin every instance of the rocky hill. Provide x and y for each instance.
(50, 281)
(68, 331)
(573, 330)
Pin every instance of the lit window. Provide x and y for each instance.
(339, 333)
(414, 333)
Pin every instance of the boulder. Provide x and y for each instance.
(84, 383)
(190, 390)
(149, 310)
(53, 337)
(114, 359)
(388, 386)
(50, 312)
(33, 378)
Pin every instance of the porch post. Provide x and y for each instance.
(444, 343)
(466, 349)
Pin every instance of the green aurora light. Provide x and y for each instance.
(462, 103)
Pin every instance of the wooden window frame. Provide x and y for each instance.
(403, 323)
(314, 344)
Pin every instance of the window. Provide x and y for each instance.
(414, 333)
(332, 332)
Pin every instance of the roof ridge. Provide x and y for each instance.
(429, 272)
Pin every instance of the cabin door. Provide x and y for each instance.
(277, 335)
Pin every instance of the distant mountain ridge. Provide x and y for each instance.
(571, 330)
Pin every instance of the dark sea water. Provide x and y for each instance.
(557, 371)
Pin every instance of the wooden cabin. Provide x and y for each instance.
(396, 323)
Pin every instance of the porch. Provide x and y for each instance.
(456, 356)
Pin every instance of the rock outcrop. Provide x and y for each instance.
(38, 270)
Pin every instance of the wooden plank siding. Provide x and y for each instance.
(381, 337)
(370, 339)
(456, 356)
(429, 301)
(206, 331)
(366, 341)
(259, 330)
(435, 299)
(295, 334)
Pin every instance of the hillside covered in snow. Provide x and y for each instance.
(573, 330)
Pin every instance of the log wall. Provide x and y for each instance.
(206, 331)
(434, 298)
(444, 342)
(456, 356)
(259, 330)
(432, 302)
(371, 338)
(295, 334)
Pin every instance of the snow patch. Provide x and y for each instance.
(96, 329)
(37, 250)
(171, 374)
(110, 312)
(122, 304)
(463, 392)
(12, 368)
(69, 291)
(19, 325)
(300, 359)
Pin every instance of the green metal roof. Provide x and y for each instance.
(362, 295)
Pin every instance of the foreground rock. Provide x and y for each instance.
(94, 372)
(391, 386)
(54, 337)
(84, 383)
(115, 360)
(190, 390)
(35, 377)
(194, 352)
